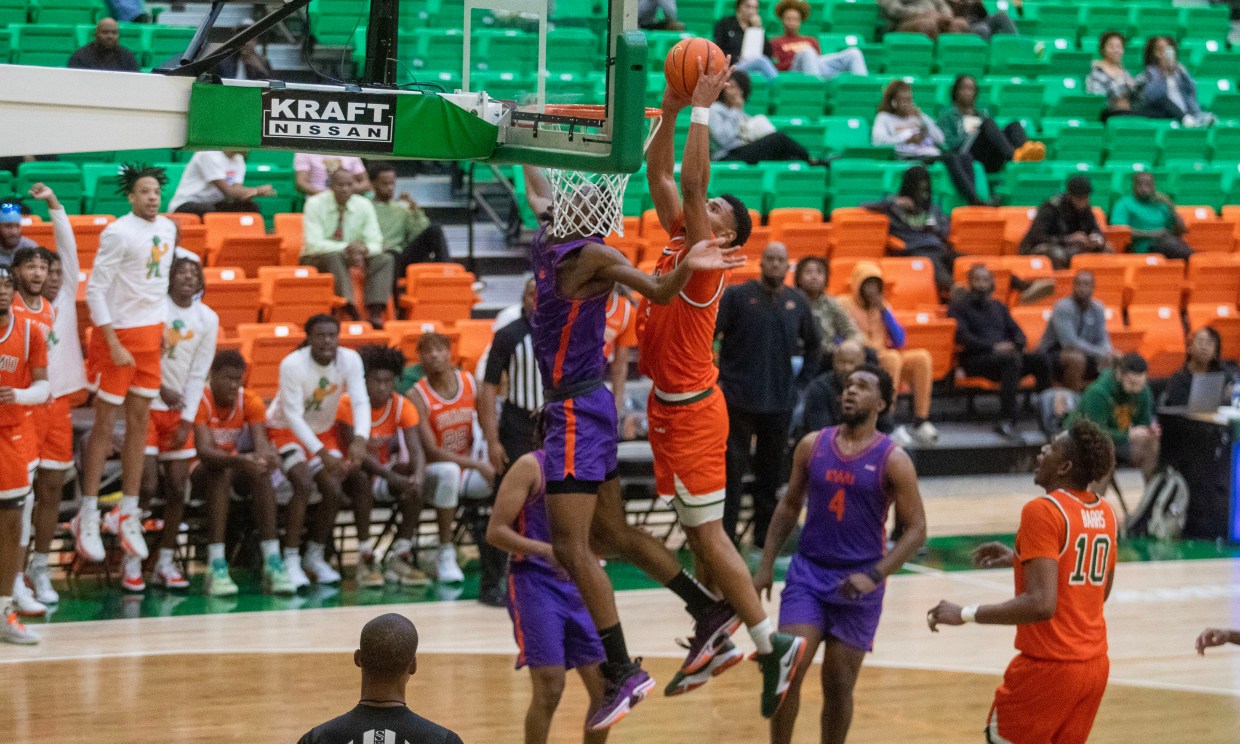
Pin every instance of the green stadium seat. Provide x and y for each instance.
(575, 50)
(69, 11)
(795, 185)
(796, 94)
(447, 80)
(852, 17)
(1214, 61)
(281, 177)
(698, 15)
(1054, 19)
(1032, 187)
(828, 43)
(169, 43)
(580, 9)
(1017, 55)
(13, 11)
(1201, 185)
(809, 132)
(328, 30)
(6, 183)
(442, 50)
(1066, 58)
(1015, 98)
(761, 91)
(1182, 143)
(636, 195)
(82, 158)
(63, 178)
(506, 86)
(269, 157)
(98, 178)
(1099, 177)
(45, 45)
(1099, 17)
(505, 50)
(109, 202)
(157, 155)
(573, 88)
(1225, 105)
(855, 182)
(39, 209)
(1133, 138)
(853, 95)
(1157, 20)
(1205, 22)
(844, 133)
(743, 180)
(1066, 97)
(1079, 141)
(6, 45)
(1224, 143)
(907, 54)
(958, 54)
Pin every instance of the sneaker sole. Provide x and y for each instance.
(675, 691)
(32, 613)
(788, 686)
(639, 694)
(693, 666)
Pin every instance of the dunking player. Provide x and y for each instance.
(1065, 565)
(849, 474)
(687, 416)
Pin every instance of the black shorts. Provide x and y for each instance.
(572, 485)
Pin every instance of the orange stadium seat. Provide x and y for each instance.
(634, 248)
(1222, 318)
(292, 298)
(978, 231)
(288, 226)
(194, 239)
(183, 218)
(925, 330)
(911, 283)
(1213, 278)
(250, 252)
(752, 249)
(1162, 342)
(652, 230)
(778, 219)
(413, 271)
(1016, 222)
(1003, 275)
(448, 298)
(1216, 235)
(476, 337)
(222, 225)
(858, 233)
(1033, 321)
(806, 239)
(839, 282)
(1155, 284)
(356, 334)
(233, 297)
(86, 231)
(632, 227)
(1123, 338)
(749, 271)
(264, 345)
(397, 329)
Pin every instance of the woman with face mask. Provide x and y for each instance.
(1165, 90)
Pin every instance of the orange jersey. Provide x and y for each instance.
(386, 423)
(676, 340)
(621, 326)
(1077, 529)
(22, 349)
(225, 424)
(452, 421)
(45, 316)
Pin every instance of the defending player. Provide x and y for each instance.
(553, 629)
(301, 422)
(446, 411)
(190, 330)
(394, 464)
(226, 411)
(23, 385)
(126, 295)
(849, 475)
(1065, 565)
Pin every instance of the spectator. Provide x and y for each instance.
(764, 325)
(648, 14)
(1165, 90)
(798, 53)
(929, 17)
(881, 332)
(822, 395)
(973, 13)
(341, 231)
(735, 135)
(105, 52)
(1065, 225)
(1156, 226)
(214, 181)
(11, 238)
(1108, 76)
(915, 136)
(1205, 354)
(1121, 403)
(973, 134)
(407, 232)
(312, 172)
(1076, 339)
(731, 33)
(834, 325)
(993, 346)
(388, 657)
(247, 64)
(129, 10)
(914, 219)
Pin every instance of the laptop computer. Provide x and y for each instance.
(1206, 393)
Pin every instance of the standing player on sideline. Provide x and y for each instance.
(553, 629)
(686, 413)
(850, 475)
(226, 410)
(302, 425)
(393, 426)
(190, 330)
(1065, 565)
(126, 295)
(23, 385)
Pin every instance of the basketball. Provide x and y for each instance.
(681, 67)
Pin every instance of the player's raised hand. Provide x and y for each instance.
(763, 580)
(944, 613)
(711, 255)
(1211, 637)
(710, 85)
(44, 193)
(673, 102)
(993, 555)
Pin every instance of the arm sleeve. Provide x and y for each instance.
(1145, 408)
(502, 349)
(842, 323)
(107, 261)
(355, 379)
(199, 368)
(315, 231)
(1043, 531)
(895, 331)
(883, 133)
(965, 336)
(949, 124)
(293, 407)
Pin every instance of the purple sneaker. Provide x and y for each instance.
(625, 688)
(720, 623)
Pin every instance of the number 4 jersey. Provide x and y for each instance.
(1077, 529)
(846, 503)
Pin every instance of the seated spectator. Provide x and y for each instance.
(312, 172)
(1165, 90)
(214, 181)
(798, 53)
(929, 17)
(648, 15)
(914, 219)
(730, 35)
(11, 238)
(821, 406)
(1065, 225)
(971, 132)
(993, 346)
(1205, 354)
(1121, 403)
(980, 22)
(407, 232)
(1108, 76)
(105, 52)
(1156, 226)
(1076, 339)
(872, 315)
(834, 324)
(126, 11)
(735, 135)
(341, 231)
(247, 64)
(915, 136)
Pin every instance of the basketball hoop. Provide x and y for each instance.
(587, 203)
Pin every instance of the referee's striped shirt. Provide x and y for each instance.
(512, 351)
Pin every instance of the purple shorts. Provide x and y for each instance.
(812, 596)
(550, 621)
(580, 440)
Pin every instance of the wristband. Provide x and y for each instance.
(875, 575)
(700, 115)
(969, 614)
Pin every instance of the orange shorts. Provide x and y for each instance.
(17, 462)
(690, 444)
(54, 424)
(160, 427)
(111, 383)
(293, 452)
(1047, 702)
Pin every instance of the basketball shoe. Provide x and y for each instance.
(24, 601)
(40, 575)
(778, 668)
(447, 569)
(402, 568)
(219, 582)
(369, 573)
(727, 655)
(12, 630)
(296, 576)
(169, 576)
(86, 538)
(721, 622)
(127, 525)
(131, 574)
(316, 566)
(276, 577)
(624, 687)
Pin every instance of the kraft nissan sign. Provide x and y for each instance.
(324, 121)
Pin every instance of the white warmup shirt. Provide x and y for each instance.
(207, 166)
(66, 370)
(310, 393)
(128, 285)
(190, 334)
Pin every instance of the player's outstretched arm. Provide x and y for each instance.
(522, 478)
(661, 161)
(993, 555)
(695, 164)
(786, 515)
(538, 192)
(1036, 604)
(610, 265)
(1211, 637)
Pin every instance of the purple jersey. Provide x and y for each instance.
(532, 522)
(846, 512)
(568, 334)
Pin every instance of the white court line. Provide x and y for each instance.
(964, 577)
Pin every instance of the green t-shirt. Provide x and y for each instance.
(1141, 215)
(399, 224)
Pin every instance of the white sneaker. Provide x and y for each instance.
(901, 436)
(296, 576)
(24, 601)
(169, 576)
(41, 577)
(128, 527)
(927, 433)
(446, 568)
(131, 574)
(12, 630)
(86, 538)
(316, 566)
